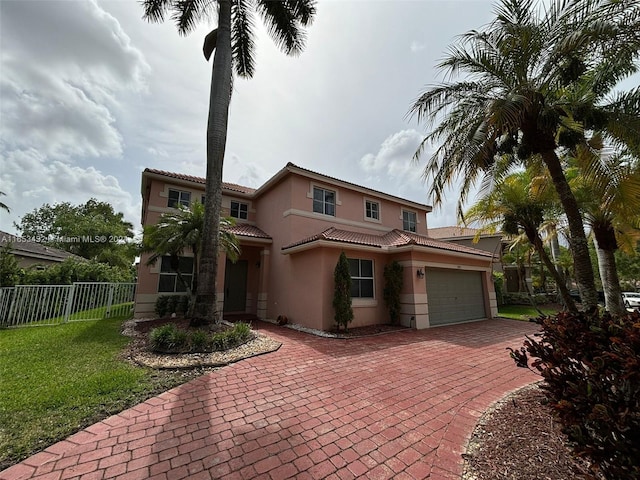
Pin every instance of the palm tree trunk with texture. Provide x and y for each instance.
(578, 241)
(206, 300)
(605, 251)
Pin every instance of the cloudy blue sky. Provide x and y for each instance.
(91, 94)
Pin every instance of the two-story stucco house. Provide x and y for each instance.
(292, 230)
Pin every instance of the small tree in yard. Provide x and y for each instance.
(342, 294)
(392, 288)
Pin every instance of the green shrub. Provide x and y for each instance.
(161, 307)
(591, 367)
(342, 293)
(199, 341)
(521, 298)
(239, 334)
(392, 287)
(498, 284)
(170, 339)
(169, 304)
(172, 303)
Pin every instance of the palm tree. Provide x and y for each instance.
(608, 189)
(516, 204)
(233, 42)
(182, 230)
(2, 205)
(524, 75)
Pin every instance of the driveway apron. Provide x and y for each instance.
(401, 405)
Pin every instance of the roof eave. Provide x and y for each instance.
(329, 244)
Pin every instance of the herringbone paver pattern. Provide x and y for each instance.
(400, 406)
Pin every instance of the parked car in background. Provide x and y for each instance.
(631, 299)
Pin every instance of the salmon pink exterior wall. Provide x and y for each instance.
(290, 263)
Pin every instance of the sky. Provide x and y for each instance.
(91, 95)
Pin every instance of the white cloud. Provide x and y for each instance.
(394, 158)
(55, 182)
(417, 46)
(59, 87)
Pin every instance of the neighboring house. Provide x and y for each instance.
(29, 253)
(292, 230)
(489, 242)
(514, 281)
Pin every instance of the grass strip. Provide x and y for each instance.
(56, 380)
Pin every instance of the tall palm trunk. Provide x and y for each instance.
(206, 299)
(536, 241)
(606, 245)
(578, 241)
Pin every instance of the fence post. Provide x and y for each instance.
(67, 310)
(109, 301)
(11, 305)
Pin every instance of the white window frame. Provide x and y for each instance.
(367, 217)
(406, 222)
(324, 201)
(240, 210)
(180, 200)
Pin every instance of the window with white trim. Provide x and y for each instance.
(169, 282)
(178, 197)
(409, 221)
(324, 201)
(361, 272)
(239, 210)
(372, 210)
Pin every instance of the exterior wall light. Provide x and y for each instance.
(420, 273)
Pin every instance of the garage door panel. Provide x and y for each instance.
(454, 296)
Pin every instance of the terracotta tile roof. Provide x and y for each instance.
(392, 239)
(246, 230)
(202, 181)
(455, 232)
(26, 248)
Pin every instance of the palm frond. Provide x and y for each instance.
(283, 25)
(188, 13)
(303, 10)
(156, 10)
(242, 37)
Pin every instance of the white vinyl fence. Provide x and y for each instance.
(55, 304)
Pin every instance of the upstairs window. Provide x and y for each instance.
(324, 201)
(239, 210)
(409, 221)
(169, 282)
(361, 272)
(177, 197)
(372, 210)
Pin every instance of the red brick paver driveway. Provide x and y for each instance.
(400, 405)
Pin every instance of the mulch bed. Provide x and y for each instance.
(519, 439)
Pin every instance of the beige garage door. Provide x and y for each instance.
(454, 296)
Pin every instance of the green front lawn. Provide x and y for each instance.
(57, 380)
(525, 312)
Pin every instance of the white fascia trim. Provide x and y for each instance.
(442, 251)
(332, 244)
(449, 266)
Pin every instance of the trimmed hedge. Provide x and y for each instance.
(591, 366)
